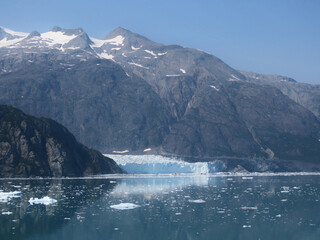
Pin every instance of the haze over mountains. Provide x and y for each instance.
(128, 93)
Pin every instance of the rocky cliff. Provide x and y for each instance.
(31, 147)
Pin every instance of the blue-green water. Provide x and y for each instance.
(269, 207)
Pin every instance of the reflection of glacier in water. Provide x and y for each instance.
(158, 185)
(156, 164)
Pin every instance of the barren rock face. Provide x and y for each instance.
(31, 146)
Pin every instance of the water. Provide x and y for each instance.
(199, 207)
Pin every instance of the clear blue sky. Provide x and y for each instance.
(270, 36)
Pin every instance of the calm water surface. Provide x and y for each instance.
(277, 207)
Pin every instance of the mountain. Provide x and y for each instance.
(39, 147)
(307, 95)
(126, 93)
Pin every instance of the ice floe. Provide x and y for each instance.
(125, 206)
(45, 200)
(6, 196)
(197, 201)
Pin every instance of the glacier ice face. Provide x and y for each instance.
(156, 164)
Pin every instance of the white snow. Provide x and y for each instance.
(117, 41)
(183, 71)
(161, 54)
(45, 200)
(173, 75)
(116, 48)
(135, 49)
(151, 52)
(105, 55)
(121, 152)
(214, 87)
(6, 43)
(125, 206)
(234, 78)
(197, 201)
(53, 38)
(18, 34)
(147, 150)
(138, 65)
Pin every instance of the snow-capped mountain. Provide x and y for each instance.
(126, 93)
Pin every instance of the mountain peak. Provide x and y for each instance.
(56, 29)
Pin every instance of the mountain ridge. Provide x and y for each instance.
(172, 99)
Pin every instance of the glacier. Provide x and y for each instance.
(157, 164)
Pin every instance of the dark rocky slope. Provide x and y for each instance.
(31, 147)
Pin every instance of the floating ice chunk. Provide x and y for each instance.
(147, 150)
(197, 201)
(285, 189)
(246, 226)
(125, 206)
(279, 215)
(6, 213)
(45, 200)
(249, 208)
(6, 196)
(249, 178)
(10, 194)
(183, 71)
(178, 213)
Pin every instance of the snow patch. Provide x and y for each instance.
(147, 150)
(234, 78)
(117, 41)
(125, 206)
(105, 55)
(138, 65)
(214, 87)
(45, 200)
(173, 75)
(116, 48)
(135, 49)
(161, 54)
(150, 52)
(183, 71)
(53, 38)
(121, 152)
(13, 33)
